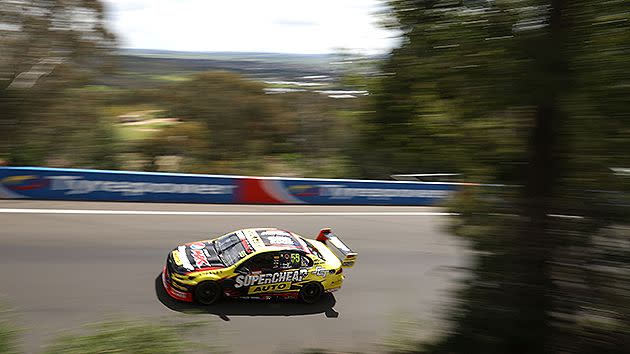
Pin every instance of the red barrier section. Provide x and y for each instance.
(250, 190)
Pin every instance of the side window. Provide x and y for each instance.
(305, 261)
(284, 260)
(290, 260)
(259, 263)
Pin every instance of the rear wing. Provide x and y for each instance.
(343, 252)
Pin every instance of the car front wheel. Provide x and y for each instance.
(207, 292)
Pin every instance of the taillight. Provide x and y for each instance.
(339, 271)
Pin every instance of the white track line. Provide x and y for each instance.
(220, 213)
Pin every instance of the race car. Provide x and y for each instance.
(261, 263)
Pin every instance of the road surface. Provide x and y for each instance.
(68, 264)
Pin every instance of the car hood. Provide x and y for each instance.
(197, 256)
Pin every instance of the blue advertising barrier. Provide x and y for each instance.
(101, 185)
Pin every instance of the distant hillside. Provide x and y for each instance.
(142, 68)
(312, 59)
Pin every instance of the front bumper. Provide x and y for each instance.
(174, 293)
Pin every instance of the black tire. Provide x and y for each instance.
(208, 292)
(311, 292)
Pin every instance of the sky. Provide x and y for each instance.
(279, 26)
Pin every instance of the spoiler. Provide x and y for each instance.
(343, 252)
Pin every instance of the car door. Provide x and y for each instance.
(249, 273)
(272, 273)
(294, 268)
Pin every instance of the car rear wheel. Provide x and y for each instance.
(311, 292)
(207, 292)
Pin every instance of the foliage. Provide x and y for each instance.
(47, 47)
(231, 126)
(526, 95)
(61, 95)
(240, 118)
(188, 140)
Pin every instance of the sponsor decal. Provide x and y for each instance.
(72, 185)
(271, 278)
(24, 183)
(275, 233)
(184, 258)
(320, 272)
(304, 190)
(255, 240)
(200, 258)
(269, 288)
(197, 246)
(344, 192)
(341, 191)
(280, 240)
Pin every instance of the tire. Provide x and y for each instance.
(208, 292)
(311, 292)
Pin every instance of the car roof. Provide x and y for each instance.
(273, 239)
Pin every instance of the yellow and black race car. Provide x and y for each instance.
(257, 263)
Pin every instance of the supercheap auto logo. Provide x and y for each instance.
(304, 190)
(24, 183)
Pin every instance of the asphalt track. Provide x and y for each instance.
(68, 264)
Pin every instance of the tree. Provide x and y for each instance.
(188, 141)
(47, 47)
(527, 95)
(241, 120)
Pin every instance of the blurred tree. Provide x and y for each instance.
(529, 95)
(241, 120)
(47, 47)
(188, 141)
(321, 133)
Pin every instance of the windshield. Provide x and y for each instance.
(230, 249)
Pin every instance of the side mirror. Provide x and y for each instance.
(243, 271)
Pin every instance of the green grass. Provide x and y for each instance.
(9, 332)
(134, 337)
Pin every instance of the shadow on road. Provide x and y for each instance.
(238, 307)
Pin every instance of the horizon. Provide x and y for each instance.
(243, 52)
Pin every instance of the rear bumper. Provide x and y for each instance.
(333, 283)
(174, 293)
